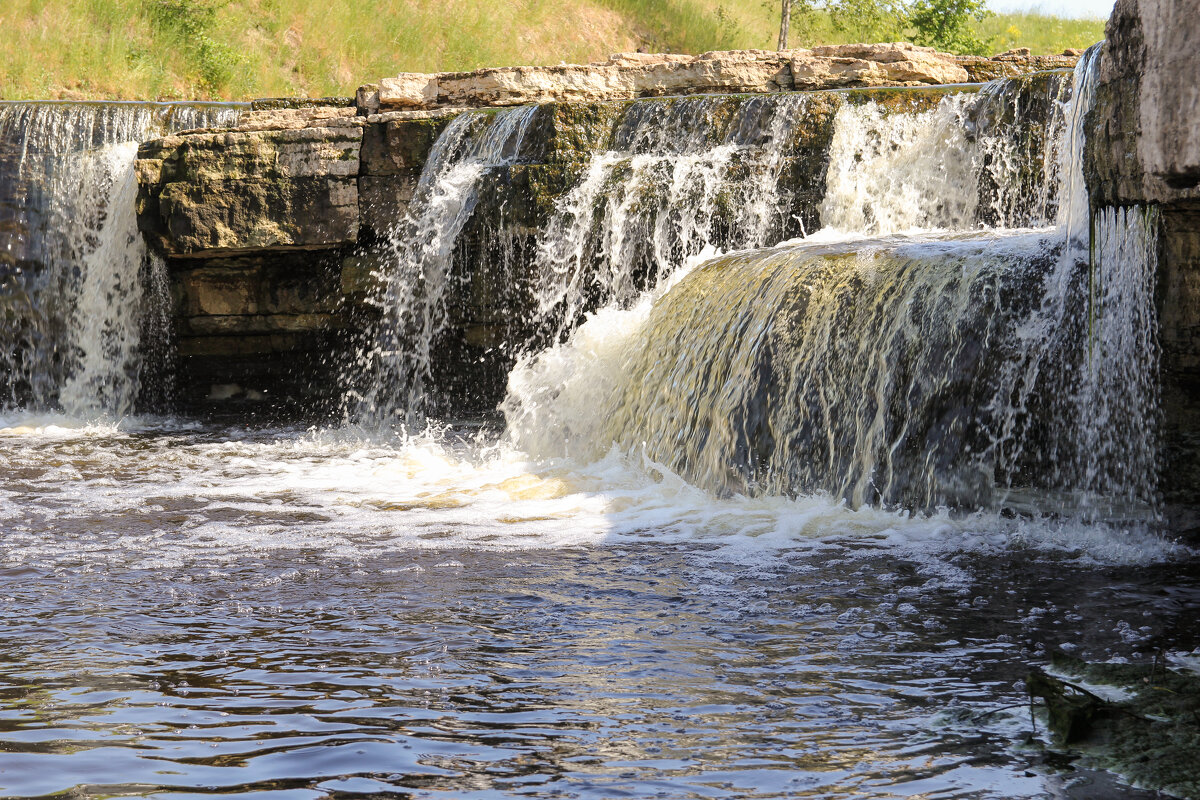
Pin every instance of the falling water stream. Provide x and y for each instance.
(781, 508)
(77, 325)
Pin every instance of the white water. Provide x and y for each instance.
(892, 171)
(279, 612)
(76, 299)
(239, 496)
(554, 479)
(107, 304)
(653, 203)
(997, 389)
(416, 273)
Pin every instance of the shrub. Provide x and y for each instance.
(946, 25)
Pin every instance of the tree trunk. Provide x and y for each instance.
(784, 19)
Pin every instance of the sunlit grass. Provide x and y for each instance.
(255, 48)
(1041, 33)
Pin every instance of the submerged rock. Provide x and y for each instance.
(1142, 722)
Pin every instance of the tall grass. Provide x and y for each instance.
(230, 49)
(1041, 33)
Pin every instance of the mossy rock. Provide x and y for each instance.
(905, 99)
(1151, 736)
(278, 103)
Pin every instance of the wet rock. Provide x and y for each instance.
(399, 142)
(1143, 143)
(1143, 147)
(1140, 721)
(250, 190)
(1011, 64)
(269, 322)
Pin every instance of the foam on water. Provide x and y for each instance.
(156, 494)
(160, 493)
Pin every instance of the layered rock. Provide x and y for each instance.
(1143, 141)
(1013, 63)
(276, 231)
(632, 75)
(1143, 147)
(246, 190)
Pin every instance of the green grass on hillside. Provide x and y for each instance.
(234, 49)
(1040, 33)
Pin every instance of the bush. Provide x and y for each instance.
(869, 20)
(192, 23)
(946, 25)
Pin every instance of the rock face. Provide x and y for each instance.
(1143, 147)
(632, 75)
(230, 192)
(1013, 63)
(1143, 139)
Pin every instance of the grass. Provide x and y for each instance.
(1040, 33)
(236, 49)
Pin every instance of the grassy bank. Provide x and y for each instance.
(233, 49)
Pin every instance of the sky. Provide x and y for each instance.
(1062, 8)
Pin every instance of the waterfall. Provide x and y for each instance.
(891, 171)
(682, 178)
(678, 177)
(417, 266)
(78, 325)
(1017, 126)
(945, 367)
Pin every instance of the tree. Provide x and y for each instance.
(859, 20)
(799, 16)
(946, 25)
(870, 20)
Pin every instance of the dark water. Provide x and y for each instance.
(198, 634)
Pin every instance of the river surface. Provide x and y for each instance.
(192, 610)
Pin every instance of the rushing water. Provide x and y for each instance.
(83, 300)
(195, 610)
(412, 293)
(787, 522)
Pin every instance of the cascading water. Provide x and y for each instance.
(413, 283)
(78, 324)
(680, 573)
(892, 171)
(680, 179)
(930, 370)
(1017, 127)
